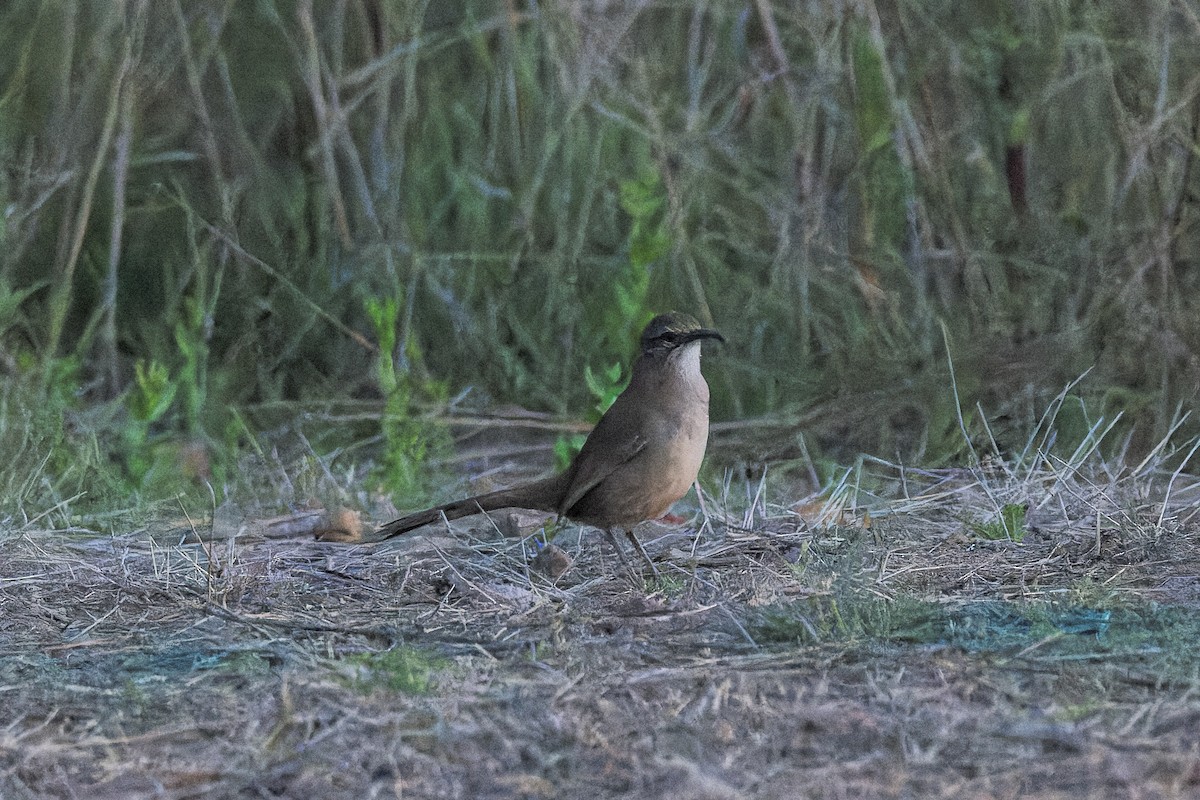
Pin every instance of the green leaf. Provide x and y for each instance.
(606, 386)
(10, 301)
(1008, 524)
(154, 392)
(643, 196)
(566, 447)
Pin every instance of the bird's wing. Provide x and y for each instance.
(613, 442)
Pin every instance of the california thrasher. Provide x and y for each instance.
(641, 457)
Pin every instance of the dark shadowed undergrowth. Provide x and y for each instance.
(224, 217)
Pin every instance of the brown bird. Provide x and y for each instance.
(642, 456)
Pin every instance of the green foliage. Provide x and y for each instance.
(643, 199)
(885, 188)
(10, 303)
(605, 388)
(56, 457)
(850, 617)
(150, 398)
(153, 392)
(566, 447)
(1008, 524)
(1161, 639)
(859, 616)
(217, 190)
(400, 669)
(384, 315)
(670, 586)
(409, 440)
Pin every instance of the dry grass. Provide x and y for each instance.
(903, 657)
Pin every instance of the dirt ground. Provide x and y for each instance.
(904, 656)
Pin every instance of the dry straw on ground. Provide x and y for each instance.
(897, 653)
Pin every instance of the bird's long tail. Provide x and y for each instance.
(543, 495)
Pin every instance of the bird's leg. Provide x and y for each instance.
(608, 534)
(642, 552)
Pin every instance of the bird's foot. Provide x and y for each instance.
(636, 576)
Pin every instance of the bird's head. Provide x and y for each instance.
(674, 331)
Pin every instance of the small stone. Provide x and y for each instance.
(552, 561)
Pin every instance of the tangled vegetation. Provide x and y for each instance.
(221, 218)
